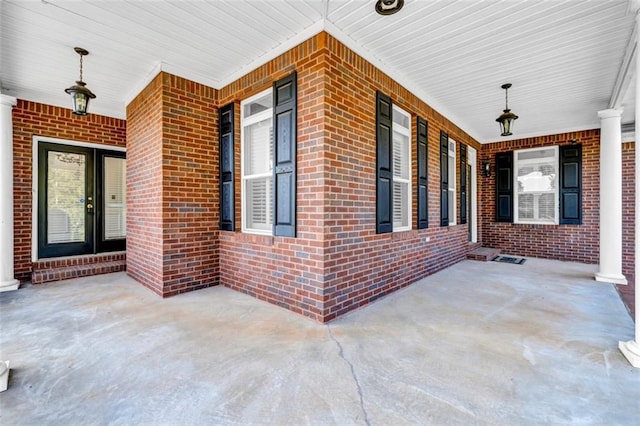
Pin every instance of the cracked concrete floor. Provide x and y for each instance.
(478, 343)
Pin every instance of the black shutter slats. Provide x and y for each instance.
(571, 184)
(444, 178)
(384, 164)
(284, 170)
(504, 187)
(423, 178)
(227, 164)
(463, 183)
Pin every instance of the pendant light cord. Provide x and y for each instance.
(80, 67)
(506, 91)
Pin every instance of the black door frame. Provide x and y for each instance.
(93, 217)
(46, 249)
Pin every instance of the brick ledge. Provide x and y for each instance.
(62, 268)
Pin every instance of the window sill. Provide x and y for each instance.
(523, 225)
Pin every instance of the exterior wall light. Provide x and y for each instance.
(80, 94)
(507, 118)
(486, 169)
(388, 7)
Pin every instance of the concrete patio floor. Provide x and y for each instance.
(477, 343)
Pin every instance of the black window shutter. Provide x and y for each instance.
(463, 183)
(284, 170)
(423, 182)
(227, 190)
(384, 164)
(504, 187)
(571, 185)
(444, 178)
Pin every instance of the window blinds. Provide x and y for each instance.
(115, 185)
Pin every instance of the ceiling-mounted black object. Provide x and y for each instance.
(388, 7)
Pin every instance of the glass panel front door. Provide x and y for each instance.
(66, 193)
(65, 200)
(81, 200)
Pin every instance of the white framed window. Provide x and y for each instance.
(401, 170)
(256, 120)
(536, 183)
(452, 182)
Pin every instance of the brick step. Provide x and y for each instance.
(64, 268)
(483, 254)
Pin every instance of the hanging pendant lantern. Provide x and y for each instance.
(80, 94)
(507, 118)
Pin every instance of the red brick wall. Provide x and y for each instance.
(144, 187)
(30, 119)
(287, 272)
(337, 263)
(189, 185)
(172, 195)
(361, 265)
(628, 223)
(628, 209)
(578, 243)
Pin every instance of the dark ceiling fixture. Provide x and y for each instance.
(80, 94)
(507, 118)
(388, 7)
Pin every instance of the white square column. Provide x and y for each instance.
(7, 279)
(610, 197)
(631, 348)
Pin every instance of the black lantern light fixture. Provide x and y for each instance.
(486, 169)
(388, 7)
(80, 94)
(507, 118)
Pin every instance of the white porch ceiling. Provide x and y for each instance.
(563, 57)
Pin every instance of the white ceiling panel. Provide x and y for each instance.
(563, 57)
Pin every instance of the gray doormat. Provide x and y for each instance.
(507, 259)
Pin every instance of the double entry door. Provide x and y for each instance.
(81, 200)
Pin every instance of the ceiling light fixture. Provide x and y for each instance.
(80, 94)
(388, 7)
(507, 118)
